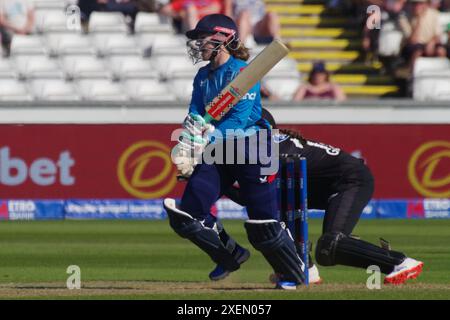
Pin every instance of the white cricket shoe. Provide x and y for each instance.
(408, 269)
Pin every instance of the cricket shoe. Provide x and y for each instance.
(220, 273)
(314, 277)
(408, 269)
(286, 285)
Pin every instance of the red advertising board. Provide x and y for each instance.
(133, 161)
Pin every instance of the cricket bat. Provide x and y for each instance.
(244, 81)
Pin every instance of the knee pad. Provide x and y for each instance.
(338, 248)
(206, 239)
(326, 247)
(274, 242)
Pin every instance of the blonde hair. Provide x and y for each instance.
(241, 52)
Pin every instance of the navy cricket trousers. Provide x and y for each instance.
(209, 181)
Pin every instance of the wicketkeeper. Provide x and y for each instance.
(342, 185)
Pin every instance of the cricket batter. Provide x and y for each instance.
(342, 185)
(215, 39)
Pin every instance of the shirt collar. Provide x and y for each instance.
(226, 64)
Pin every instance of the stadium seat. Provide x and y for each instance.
(54, 90)
(32, 67)
(132, 67)
(101, 90)
(13, 90)
(425, 65)
(163, 44)
(170, 67)
(52, 21)
(49, 4)
(107, 22)
(69, 44)
(433, 85)
(27, 45)
(286, 68)
(7, 70)
(110, 44)
(283, 87)
(85, 67)
(148, 90)
(182, 88)
(152, 23)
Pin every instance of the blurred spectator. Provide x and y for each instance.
(189, 12)
(436, 4)
(267, 94)
(147, 5)
(448, 41)
(128, 7)
(319, 86)
(16, 17)
(382, 41)
(423, 33)
(86, 8)
(252, 18)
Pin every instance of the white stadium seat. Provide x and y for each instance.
(53, 21)
(425, 65)
(85, 67)
(49, 4)
(69, 44)
(286, 68)
(148, 90)
(432, 86)
(131, 67)
(101, 90)
(182, 88)
(7, 70)
(32, 67)
(171, 67)
(282, 87)
(431, 79)
(27, 45)
(107, 22)
(163, 44)
(110, 44)
(13, 90)
(54, 90)
(152, 23)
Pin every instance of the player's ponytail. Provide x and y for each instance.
(240, 52)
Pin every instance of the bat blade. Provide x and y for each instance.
(245, 80)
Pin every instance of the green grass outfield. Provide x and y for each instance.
(147, 260)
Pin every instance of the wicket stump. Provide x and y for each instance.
(293, 203)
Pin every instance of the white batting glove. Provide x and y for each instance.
(183, 161)
(196, 125)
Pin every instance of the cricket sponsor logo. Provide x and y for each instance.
(44, 171)
(145, 170)
(220, 106)
(249, 96)
(436, 208)
(332, 151)
(21, 210)
(428, 169)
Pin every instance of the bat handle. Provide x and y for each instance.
(181, 178)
